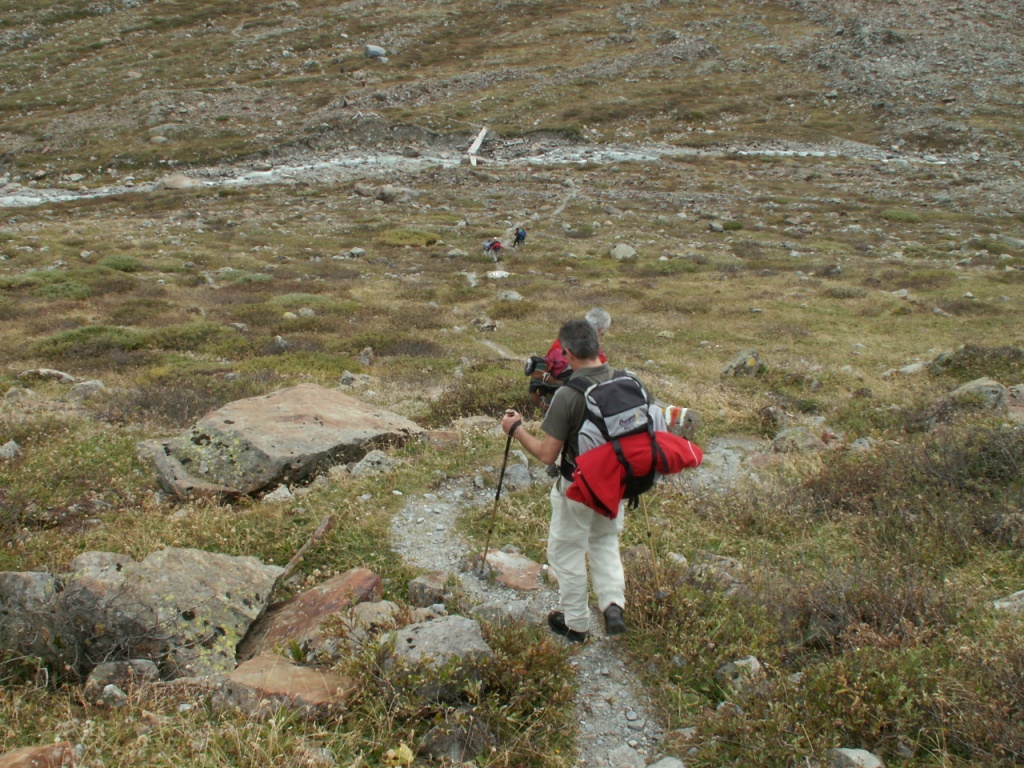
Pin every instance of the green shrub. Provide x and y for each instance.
(580, 231)
(846, 292)
(241, 276)
(512, 310)
(140, 311)
(30, 280)
(104, 280)
(192, 337)
(173, 398)
(485, 391)
(402, 237)
(65, 290)
(121, 263)
(91, 341)
(410, 347)
(900, 215)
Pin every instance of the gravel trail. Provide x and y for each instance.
(616, 726)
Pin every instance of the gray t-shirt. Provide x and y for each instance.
(568, 410)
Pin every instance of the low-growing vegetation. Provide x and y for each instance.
(861, 572)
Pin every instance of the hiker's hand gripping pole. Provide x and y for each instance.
(497, 495)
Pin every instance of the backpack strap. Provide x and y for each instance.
(581, 385)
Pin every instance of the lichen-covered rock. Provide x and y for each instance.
(277, 439)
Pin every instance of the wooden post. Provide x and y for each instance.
(475, 146)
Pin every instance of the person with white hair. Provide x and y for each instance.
(548, 376)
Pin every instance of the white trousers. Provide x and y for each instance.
(576, 531)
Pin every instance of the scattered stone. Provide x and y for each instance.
(909, 370)
(623, 252)
(15, 394)
(124, 675)
(279, 494)
(59, 755)
(668, 762)
(10, 451)
(1014, 603)
(990, 393)
(432, 645)
(514, 571)
(742, 675)
(746, 363)
(184, 607)
(260, 686)
(853, 758)
(178, 181)
(86, 389)
(28, 623)
(298, 621)
(366, 357)
(47, 374)
(797, 440)
(460, 739)
(484, 324)
(429, 589)
(375, 52)
(375, 462)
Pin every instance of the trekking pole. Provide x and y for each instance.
(497, 495)
(654, 558)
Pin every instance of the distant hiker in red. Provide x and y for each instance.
(493, 247)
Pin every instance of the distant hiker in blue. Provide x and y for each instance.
(520, 237)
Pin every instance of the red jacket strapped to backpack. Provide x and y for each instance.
(599, 479)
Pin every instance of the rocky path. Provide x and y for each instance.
(616, 727)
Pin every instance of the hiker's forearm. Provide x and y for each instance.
(545, 450)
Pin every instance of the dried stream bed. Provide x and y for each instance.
(348, 165)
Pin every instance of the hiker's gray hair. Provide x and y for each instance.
(599, 318)
(580, 338)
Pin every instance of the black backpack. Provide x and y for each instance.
(618, 408)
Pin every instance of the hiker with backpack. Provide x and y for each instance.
(520, 237)
(578, 531)
(493, 247)
(549, 373)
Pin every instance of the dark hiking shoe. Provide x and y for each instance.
(614, 624)
(556, 620)
(553, 470)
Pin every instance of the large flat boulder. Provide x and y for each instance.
(282, 438)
